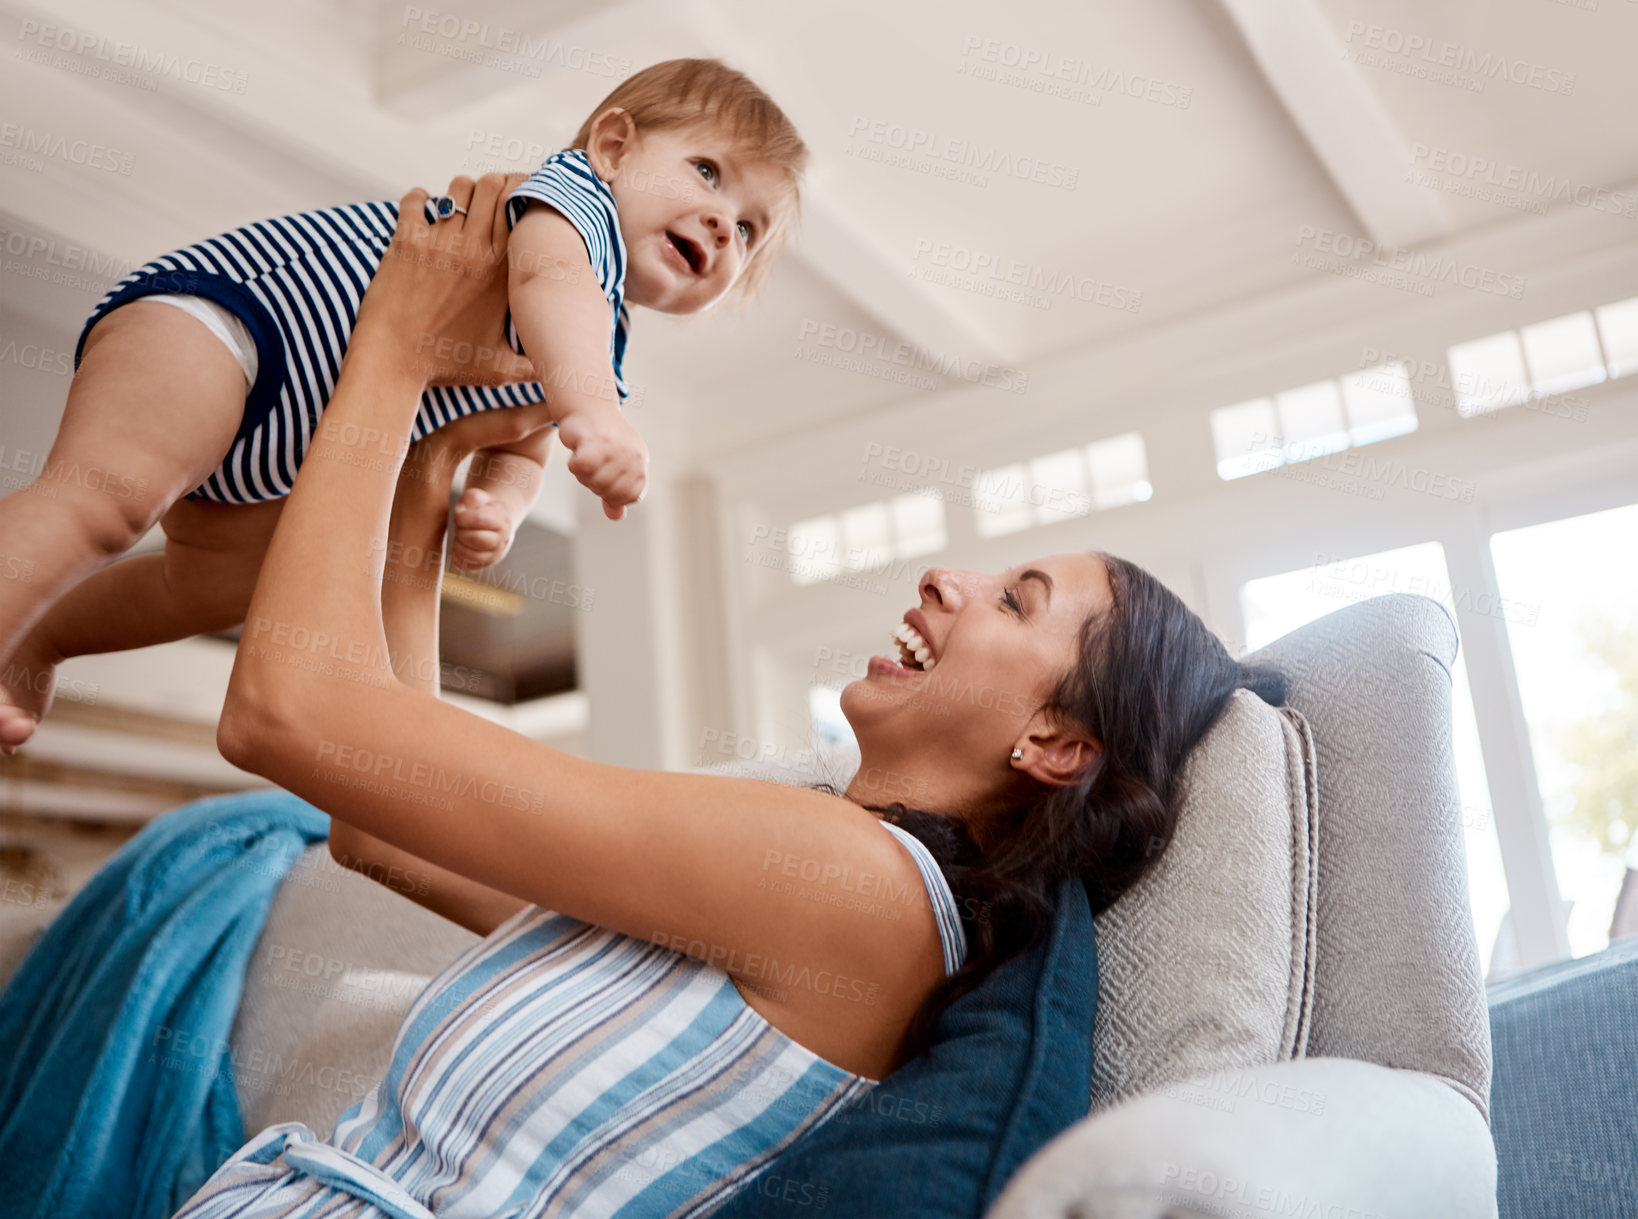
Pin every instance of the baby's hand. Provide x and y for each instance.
(483, 531)
(609, 457)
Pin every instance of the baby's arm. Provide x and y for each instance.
(564, 321)
(502, 484)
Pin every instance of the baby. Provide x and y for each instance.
(200, 378)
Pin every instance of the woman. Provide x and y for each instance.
(712, 985)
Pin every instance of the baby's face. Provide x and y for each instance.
(693, 209)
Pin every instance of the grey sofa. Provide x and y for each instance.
(1291, 1016)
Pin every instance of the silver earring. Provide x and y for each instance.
(1017, 754)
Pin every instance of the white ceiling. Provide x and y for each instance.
(1196, 207)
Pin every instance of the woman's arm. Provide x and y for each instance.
(409, 606)
(705, 863)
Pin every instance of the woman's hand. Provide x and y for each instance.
(437, 305)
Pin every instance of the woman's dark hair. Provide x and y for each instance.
(1148, 681)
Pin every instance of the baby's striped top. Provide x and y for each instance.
(560, 1069)
(296, 283)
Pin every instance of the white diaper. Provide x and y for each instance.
(223, 325)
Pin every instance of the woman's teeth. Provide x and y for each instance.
(913, 648)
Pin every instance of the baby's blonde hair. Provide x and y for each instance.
(700, 92)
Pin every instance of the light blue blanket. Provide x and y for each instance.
(116, 1086)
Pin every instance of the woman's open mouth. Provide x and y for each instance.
(687, 250)
(913, 650)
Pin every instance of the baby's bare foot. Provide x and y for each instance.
(27, 684)
(483, 531)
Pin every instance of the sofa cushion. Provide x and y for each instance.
(941, 1136)
(1207, 962)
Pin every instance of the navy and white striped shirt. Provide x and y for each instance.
(296, 283)
(560, 1069)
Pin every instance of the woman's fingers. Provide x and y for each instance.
(485, 197)
(501, 230)
(460, 190)
(412, 205)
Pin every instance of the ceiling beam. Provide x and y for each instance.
(1342, 118)
(431, 60)
(842, 253)
(839, 249)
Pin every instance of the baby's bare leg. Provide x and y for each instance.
(154, 406)
(201, 583)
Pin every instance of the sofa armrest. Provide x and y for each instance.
(1323, 1136)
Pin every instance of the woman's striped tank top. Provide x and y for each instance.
(296, 283)
(560, 1069)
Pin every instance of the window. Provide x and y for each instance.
(1562, 354)
(830, 726)
(1246, 437)
(1618, 327)
(1488, 374)
(1057, 487)
(867, 534)
(1063, 485)
(1313, 420)
(1575, 648)
(1379, 403)
(865, 538)
(1119, 468)
(918, 524)
(1551, 357)
(815, 548)
(1276, 605)
(998, 499)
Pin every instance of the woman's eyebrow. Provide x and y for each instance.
(1035, 573)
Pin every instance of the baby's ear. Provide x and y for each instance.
(612, 137)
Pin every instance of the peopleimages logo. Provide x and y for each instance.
(87, 153)
(1532, 185)
(953, 150)
(507, 44)
(92, 50)
(1423, 268)
(866, 349)
(1037, 286)
(1440, 58)
(1071, 77)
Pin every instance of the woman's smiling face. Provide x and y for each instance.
(996, 648)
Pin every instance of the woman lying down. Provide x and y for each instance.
(630, 939)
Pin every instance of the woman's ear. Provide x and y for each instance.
(613, 135)
(1057, 757)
